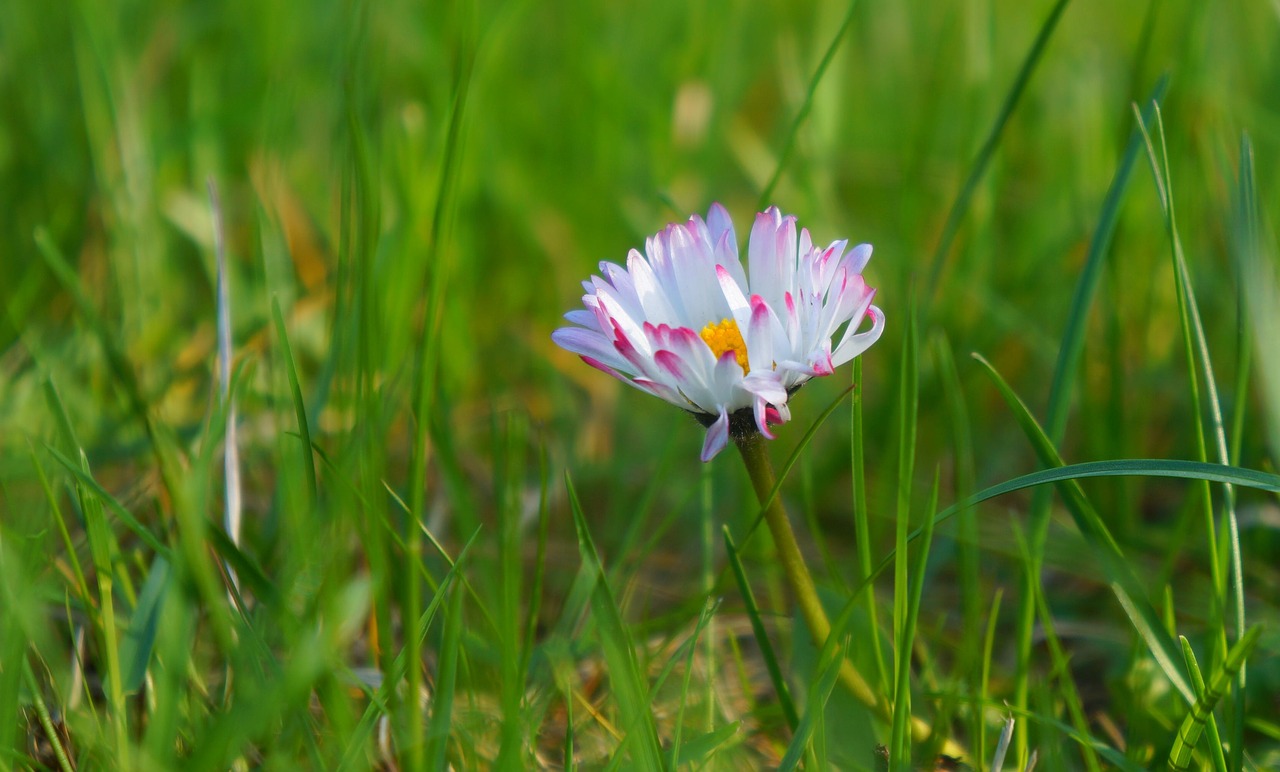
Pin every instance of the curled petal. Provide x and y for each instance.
(717, 437)
(853, 345)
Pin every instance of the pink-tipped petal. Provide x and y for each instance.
(761, 409)
(662, 391)
(671, 364)
(720, 225)
(861, 255)
(602, 367)
(587, 343)
(773, 416)
(759, 337)
(854, 345)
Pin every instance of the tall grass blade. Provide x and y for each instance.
(979, 166)
(619, 651)
(900, 744)
(1197, 350)
(762, 637)
(299, 405)
(1120, 575)
(824, 682)
(1064, 378)
(140, 637)
(988, 645)
(766, 195)
(380, 700)
(862, 525)
(1247, 256)
(1197, 681)
(440, 726)
(908, 410)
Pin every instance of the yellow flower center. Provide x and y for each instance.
(724, 336)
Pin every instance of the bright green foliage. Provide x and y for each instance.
(1083, 194)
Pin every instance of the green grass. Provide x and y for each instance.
(1075, 530)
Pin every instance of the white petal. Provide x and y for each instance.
(739, 308)
(695, 275)
(583, 317)
(588, 343)
(854, 345)
(717, 437)
(719, 224)
(862, 254)
(762, 261)
(759, 336)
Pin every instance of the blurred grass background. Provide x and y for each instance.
(422, 187)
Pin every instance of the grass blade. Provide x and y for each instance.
(908, 410)
(805, 107)
(140, 637)
(440, 726)
(619, 651)
(1197, 680)
(299, 405)
(862, 523)
(1189, 732)
(827, 672)
(979, 166)
(1065, 373)
(900, 745)
(379, 701)
(1120, 576)
(762, 638)
(708, 613)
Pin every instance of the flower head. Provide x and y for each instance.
(684, 323)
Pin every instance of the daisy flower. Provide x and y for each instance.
(685, 322)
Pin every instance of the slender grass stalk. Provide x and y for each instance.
(862, 524)
(1202, 709)
(1065, 376)
(900, 744)
(1245, 245)
(766, 195)
(984, 683)
(908, 412)
(1185, 738)
(1227, 545)
(762, 637)
(704, 620)
(983, 159)
(44, 717)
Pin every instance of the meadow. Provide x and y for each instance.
(292, 475)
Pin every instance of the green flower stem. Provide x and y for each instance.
(760, 470)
